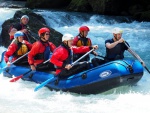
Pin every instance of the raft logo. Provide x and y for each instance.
(105, 73)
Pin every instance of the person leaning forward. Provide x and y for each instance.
(41, 51)
(62, 57)
(21, 26)
(17, 48)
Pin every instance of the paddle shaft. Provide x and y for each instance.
(82, 57)
(19, 77)
(101, 56)
(19, 58)
(16, 60)
(38, 66)
(136, 56)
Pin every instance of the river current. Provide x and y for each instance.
(20, 97)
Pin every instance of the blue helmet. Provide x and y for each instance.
(18, 33)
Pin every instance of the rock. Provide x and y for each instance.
(140, 16)
(80, 5)
(35, 23)
(47, 3)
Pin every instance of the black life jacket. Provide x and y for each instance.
(70, 55)
(46, 54)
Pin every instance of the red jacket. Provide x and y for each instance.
(61, 54)
(13, 47)
(39, 47)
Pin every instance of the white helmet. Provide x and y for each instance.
(67, 37)
(24, 16)
(117, 31)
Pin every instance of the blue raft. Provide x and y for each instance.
(95, 80)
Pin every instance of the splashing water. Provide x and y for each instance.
(19, 97)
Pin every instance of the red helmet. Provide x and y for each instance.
(43, 30)
(84, 28)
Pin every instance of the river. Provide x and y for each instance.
(20, 97)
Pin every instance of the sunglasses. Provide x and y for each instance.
(47, 34)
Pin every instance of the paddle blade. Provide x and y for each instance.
(42, 84)
(16, 78)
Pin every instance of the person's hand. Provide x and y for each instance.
(121, 40)
(32, 67)
(24, 30)
(95, 46)
(95, 53)
(8, 64)
(68, 66)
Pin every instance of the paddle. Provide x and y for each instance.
(138, 57)
(101, 56)
(48, 80)
(16, 60)
(19, 77)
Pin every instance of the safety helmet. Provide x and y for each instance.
(18, 33)
(117, 31)
(84, 28)
(67, 37)
(43, 30)
(24, 16)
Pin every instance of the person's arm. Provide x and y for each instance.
(33, 52)
(29, 45)
(10, 51)
(12, 31)
(56, 56)
(75, 40)
(83, 49)
(112, 45)
(52, 46)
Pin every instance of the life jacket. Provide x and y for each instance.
(22, 49)
(70, 55)
(45, 55)
(83, 41)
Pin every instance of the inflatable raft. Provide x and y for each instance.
(94, 80)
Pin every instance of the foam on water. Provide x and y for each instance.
(19, 97)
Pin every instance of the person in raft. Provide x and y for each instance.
(62, 57)
(82, 40)
(21, 26)
(115, 48)
(41, 51)
(17, 48)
